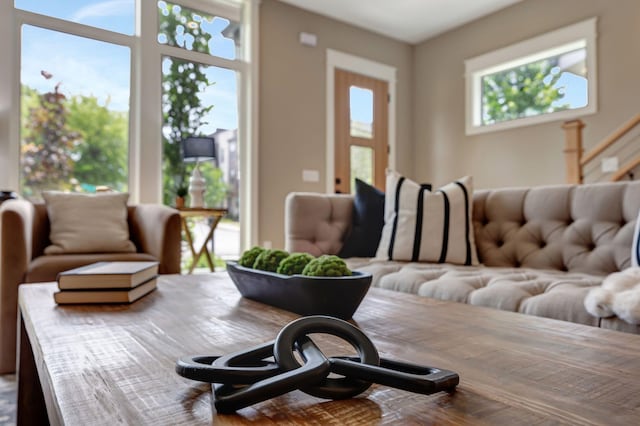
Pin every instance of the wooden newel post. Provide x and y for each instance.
(573, 150)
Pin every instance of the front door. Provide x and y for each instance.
(361, 120)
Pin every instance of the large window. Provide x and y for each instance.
(550, 77)
(112, 15)
(106, 90)
(200, 98)
(74, 113)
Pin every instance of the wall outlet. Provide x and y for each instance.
(310, 176)
(609, 165)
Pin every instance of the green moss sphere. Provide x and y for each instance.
(327, 266)
(294, 263)
(248, 258)
(269, 260)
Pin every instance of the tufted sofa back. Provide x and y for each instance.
(577, 228)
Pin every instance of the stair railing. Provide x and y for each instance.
(573, 153)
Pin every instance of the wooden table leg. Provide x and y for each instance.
(32, 409)
(204, 250)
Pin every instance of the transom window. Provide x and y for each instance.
(550, 77)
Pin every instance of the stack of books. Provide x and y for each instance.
(107, 282)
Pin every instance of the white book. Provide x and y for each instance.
(108, 275)
(105, 296)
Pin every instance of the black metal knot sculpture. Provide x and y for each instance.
(244, 378)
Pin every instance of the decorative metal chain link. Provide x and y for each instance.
(244, 378)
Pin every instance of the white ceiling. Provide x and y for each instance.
(411, 21)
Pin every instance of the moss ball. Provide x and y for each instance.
(248, 258)
(327, 266)
(294, 263)
(269, 260)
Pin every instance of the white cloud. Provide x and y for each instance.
(81, 68)
(101, 10)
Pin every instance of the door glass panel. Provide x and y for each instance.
(112, 15)
(74, 113)
(190, 29)
(361, 160)
(202, 100)
(361, 112)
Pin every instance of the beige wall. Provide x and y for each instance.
(292, 135)
(529, 155)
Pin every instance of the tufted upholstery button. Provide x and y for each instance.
(591, 246)
(543, 244)
(564, 268)
(517, 264)
(499, 243)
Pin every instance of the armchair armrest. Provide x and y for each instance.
(156, 230)
(16, 243)
(317, 223)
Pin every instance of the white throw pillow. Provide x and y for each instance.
(88, 223)
(635, 250)
(425, 226)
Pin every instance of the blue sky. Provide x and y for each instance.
(89, 67)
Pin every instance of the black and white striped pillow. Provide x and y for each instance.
(425, 226)
(635, 251)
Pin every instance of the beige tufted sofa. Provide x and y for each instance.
(542, 248)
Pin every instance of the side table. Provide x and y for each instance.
(202, 212)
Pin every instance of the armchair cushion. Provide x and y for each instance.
(88, 223)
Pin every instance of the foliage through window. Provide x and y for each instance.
(553, 84)
(546, 78)
(74, 131)
(197, 31)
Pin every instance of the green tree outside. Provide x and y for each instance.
(48, 143)
(102, 157)
(74, 141)
(183, 111)
(523, 91)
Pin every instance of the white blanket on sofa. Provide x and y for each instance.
(618, 295)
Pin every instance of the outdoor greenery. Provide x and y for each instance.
(523, 91)
(48, 141)
(183, 112)
(77, 143)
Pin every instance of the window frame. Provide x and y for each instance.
(531, 50)
(145, 106)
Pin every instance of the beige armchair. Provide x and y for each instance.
(24, 234)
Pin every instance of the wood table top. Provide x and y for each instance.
(115, 364)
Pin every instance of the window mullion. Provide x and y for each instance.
(202, 58)
(73, 28)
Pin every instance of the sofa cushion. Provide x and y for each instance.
(367, 222)
(546, 293)
(426, 226)
(46, 268)
(88, 223)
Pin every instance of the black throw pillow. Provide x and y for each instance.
(367, 222)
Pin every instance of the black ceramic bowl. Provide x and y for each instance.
(334, 296)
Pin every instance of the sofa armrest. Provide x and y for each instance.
(156, 230)
(317, 223)
(16, 242)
